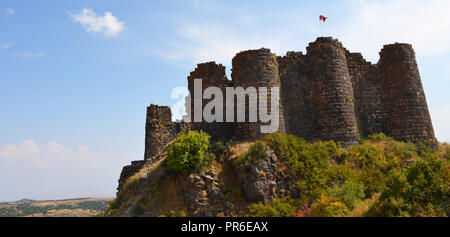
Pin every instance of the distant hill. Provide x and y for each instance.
(81, 207)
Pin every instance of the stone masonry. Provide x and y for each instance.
(328, 93)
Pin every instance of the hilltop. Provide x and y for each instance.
(282, 175)
(347, 133)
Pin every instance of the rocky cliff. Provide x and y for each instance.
(326, 94)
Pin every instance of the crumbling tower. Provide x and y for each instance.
(406, 111)
(160, 131)
(255, 68)
(159, 120)
(332, 93)
(212, 75)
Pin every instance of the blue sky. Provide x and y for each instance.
(76, 76)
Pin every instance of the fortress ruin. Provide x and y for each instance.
(328, 93)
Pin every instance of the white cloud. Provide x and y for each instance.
(213, 42)
(107, 24)
(195, 40)
(10, 11)
(29, 153)
(29, 170)
(7, 45)
(29, 55)
(440, 117)
(367, 26)
(424, 24)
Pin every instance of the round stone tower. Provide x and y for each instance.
(406, 111)
(255, 68)
(332, 93)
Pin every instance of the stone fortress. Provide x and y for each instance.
(328, 93)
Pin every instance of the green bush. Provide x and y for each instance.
(367, 156)
(420, 190)
(188, 151)
(328, 207)
(403, 150)
(339, 174)
(278, 208)
(379, 137)
(447, 152)
(373, 180)
(306, 161)
(218, 149)
(350, 193)
(256, 152)
(284, 145)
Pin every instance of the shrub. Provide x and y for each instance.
(188, 151)
(256, 152)
(403, 150)
(419, 190)
(367, 156)
(339, 174)
(380, 137)
(328, 207)
(447, 152)
(373, 180)
(306, 161)
(284, 145)
(424, 149)
(278, 208)
(350, 193)
(218, 149)
(303, 211)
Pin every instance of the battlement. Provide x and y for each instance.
(329, 93)
(329, 41)
(159, 114)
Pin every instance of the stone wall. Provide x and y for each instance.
(327, 94)
(128, 171)
(160, 130)
(296, 95)
(368, 94)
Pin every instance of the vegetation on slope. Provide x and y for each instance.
(379, 177)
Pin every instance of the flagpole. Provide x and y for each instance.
(321, 27)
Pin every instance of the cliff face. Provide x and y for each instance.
(327, 94)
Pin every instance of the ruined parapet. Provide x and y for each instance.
(255, 68)
(368, 93)
(212, 75)
(296, 95)
(160, 130)
(406, 111)
(332, 92)
(128, 171)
